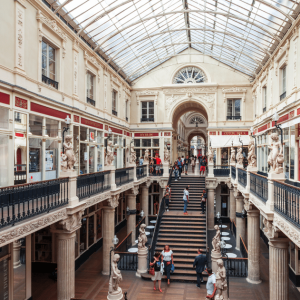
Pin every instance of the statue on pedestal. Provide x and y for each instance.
(166, 154)
(146, 156)
(275, 158)
(210, 155)
(109, 158)
(221, 282)
(68, 158)
(251, 154)
(239, 156)
(216, 240)
(232, 155)
(132, 158)
(142, 239)
(115, 279)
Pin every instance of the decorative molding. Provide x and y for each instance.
(20, 36)
(114, 201)
(234, 90)
(127, 91)
(146, 93)
(73, 222)
(31, 226)
(115, 80)
(92, 60)
(190, 90)
(22, 103)
(135, 190)
(270, 230)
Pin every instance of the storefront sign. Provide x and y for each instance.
(76, 119)
(281, 119)
(212, 133)
(116, 130)
(146, 134)
(22, 103)
(48, 111)
(91, 123)
(167, 133)
(234, 132)
(4, 98)
(262, 128)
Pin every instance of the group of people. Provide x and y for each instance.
(155, 164)
(164, 262)
(186, 200)
(181, 165)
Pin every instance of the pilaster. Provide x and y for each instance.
(240, 221)
(211, 185)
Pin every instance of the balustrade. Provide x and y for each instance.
(141, 171)
(221, 171)
(124, 175)
(233, 172)
(242, 177)
(259, 186)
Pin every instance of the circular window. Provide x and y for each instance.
(189, 75)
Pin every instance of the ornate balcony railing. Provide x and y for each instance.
(236, 267)
(49, 81)
(128, 261)
(20, 176)
(233, 172)
(238, 118)
(91, 184)
(282, 96)
(221, 171)
(115, 113)
(287, 201)
(242, 177)
(124, 176)
(259, 186)
(156, 170)
(90, 101)
(21, 202)
(147, 119)
(141, 171)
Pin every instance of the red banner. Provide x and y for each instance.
(76, 118)
(116, 130)
(146, 134)
(262, 128)
(235, 132)
(212, 133)
(48, 111)
(4, 98)
(91, 123)
(281, 119)
(22, 103)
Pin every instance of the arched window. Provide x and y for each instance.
(189, 75)
(197, 120)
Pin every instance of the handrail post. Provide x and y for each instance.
(271, 196)
(112, 176)
(72, 187)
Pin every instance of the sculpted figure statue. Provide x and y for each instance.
(221, 282)
(210, 155)
(116, 276)
(146, 156)
(166, 154)
(251, 154)
(142, 240)
(68, 157)
(132, 154)
(109, 158)
(216, 240)
(275, 158)
(232, 155)
(239, 156)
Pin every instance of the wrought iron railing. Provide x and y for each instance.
(20, 176)
(91, 184)
(242, 177)
(90, 101)
(125, 244)
(282, 96)
(262, 173)
(147, 119)
(21, 202)
(233, 172)
(156, 170)
(236, 267)
(259, 186)
(141, 171)
(221, 171)
(49, 81)
(244, 250)
(287, 201)
(234, 118)
(128, 261)
(115, 113)
(123, 176)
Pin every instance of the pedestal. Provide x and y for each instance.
(72, 187)
(16, 251)
(166, 169)
(116, 295)
(142, 261)
(232, 205)
(112, 178)
(210, 170)
(214, 258)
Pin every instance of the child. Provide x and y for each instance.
(157, 275)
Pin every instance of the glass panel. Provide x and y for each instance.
(83, 158)
(35, 125)
(35, 159)
(144, 105)
(4, 118)
(51, 159)
(224, 156)
(286, 150)
(237, 107)
(155, 143)
(83, 245)
(83, 134)
(137, 143)
(284, 80)
(146, 142)
(91, 159)
(229, 107)
(52, 128)
(292, 155)
(19, 262)
(99, 159)
(20, 121)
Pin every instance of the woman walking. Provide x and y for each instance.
(193, 161)
(167, 258)
(157, 275)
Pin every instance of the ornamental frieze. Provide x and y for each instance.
(190, 90)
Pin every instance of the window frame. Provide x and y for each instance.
(147, 118)
(47, 60)
(233, 116)
(264, 98)
(92, 76)
(114, 108)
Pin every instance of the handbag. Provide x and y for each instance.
(172, 268)
(151, 271)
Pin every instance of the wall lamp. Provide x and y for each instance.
(275, 119)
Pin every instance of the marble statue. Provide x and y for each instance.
(109, 158)
(166, 154)
(210, 155)
(68, 158)
(132, 154)
(251, 154)
(221, 282)
(115, 277)
(142, 239)
(239, 156)
(275, 158)
(146, 156)
(216, 240)
(232, 155)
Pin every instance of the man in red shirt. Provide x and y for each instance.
(158, 163)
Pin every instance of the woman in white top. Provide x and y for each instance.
(167, 258)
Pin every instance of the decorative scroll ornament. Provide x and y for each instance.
(270, 230)
(114, 201)
(73, 222)
(275, 158)
(146, 93)
(135, 190)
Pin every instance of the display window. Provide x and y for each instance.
(4, 118)
(4, 160)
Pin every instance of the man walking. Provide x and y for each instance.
(186, 164)
(211, 284)
(199, 263)
(185, 200)
(180, 166)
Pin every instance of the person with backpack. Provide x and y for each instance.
(202, 166)
(176, 172)
(156, 264)
(186, 164)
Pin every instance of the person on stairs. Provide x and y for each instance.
(186, 164)
(180, 166)
(185, 200)
(157, 275)
(203, 200)
(176, 172)
(167, 197)
(167, 258)
(193, 162)
(202, 166)
(199, 263)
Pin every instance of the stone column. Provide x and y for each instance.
(232, 205)
(253, 246)
(131, 219)
(210, 209)
(17, 251)
(145, 202)
(278, 269)
(240, 222)
(108, 231)
(65, 231)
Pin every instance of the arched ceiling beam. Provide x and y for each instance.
(188, 43)
(189, 11)
(97, 18)
(61, 6)
(183, 29)
(173, 55)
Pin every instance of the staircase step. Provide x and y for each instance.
(183, 234)
(178, 246)
(181, 231)
(176, 277)
(184, 241)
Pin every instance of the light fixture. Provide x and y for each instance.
(275, 119)
(218, 215)
(115, 240)
(142, 213)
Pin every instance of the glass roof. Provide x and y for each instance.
(135, 36)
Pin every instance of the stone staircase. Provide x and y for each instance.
(183, 233)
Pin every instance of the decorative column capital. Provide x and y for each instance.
(211, 183)
(113, 201)
(71, 224)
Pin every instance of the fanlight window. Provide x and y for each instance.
(189, 75)
(195, 120)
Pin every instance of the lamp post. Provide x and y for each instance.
(115, 241)
(275, 119)
(253, 136)
(68, 122)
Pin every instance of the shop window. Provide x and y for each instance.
(137, 143)
(147, 111)
(20, 121)
(83, 158)
(83, 245)
(83, 134)
(99, 159)
(90, 89)
(52, 128)
(264, 96)
(49, 65)
(35, 125)
(292, 150)
(92, 158)
(155, 142)
(224, 156)
(51, 159)
(283, 83)
(234, 109)
(114, 102)
(4, 118)
(4, 165)
(146, 142)
(35, 159)
(91, 230)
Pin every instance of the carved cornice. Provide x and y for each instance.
(211, 183)
(20, 231)
(270, 230)
(146, 93)
(234, 90)
(127, 91)
(97, 199)
(92, 60)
